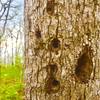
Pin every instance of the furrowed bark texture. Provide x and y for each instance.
(74, 23)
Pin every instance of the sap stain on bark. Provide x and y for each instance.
(52, 69)
(38, 33)
(50, 7)
(52, 85)
(55, 45)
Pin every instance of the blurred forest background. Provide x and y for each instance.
(11, 49)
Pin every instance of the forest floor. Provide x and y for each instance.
(11, 82)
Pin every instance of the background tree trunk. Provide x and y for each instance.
(74, 23)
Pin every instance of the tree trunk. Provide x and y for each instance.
(57, 34)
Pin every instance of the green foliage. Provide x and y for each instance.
(11, 81)
(18, 61)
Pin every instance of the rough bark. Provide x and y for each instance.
(74, 23)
